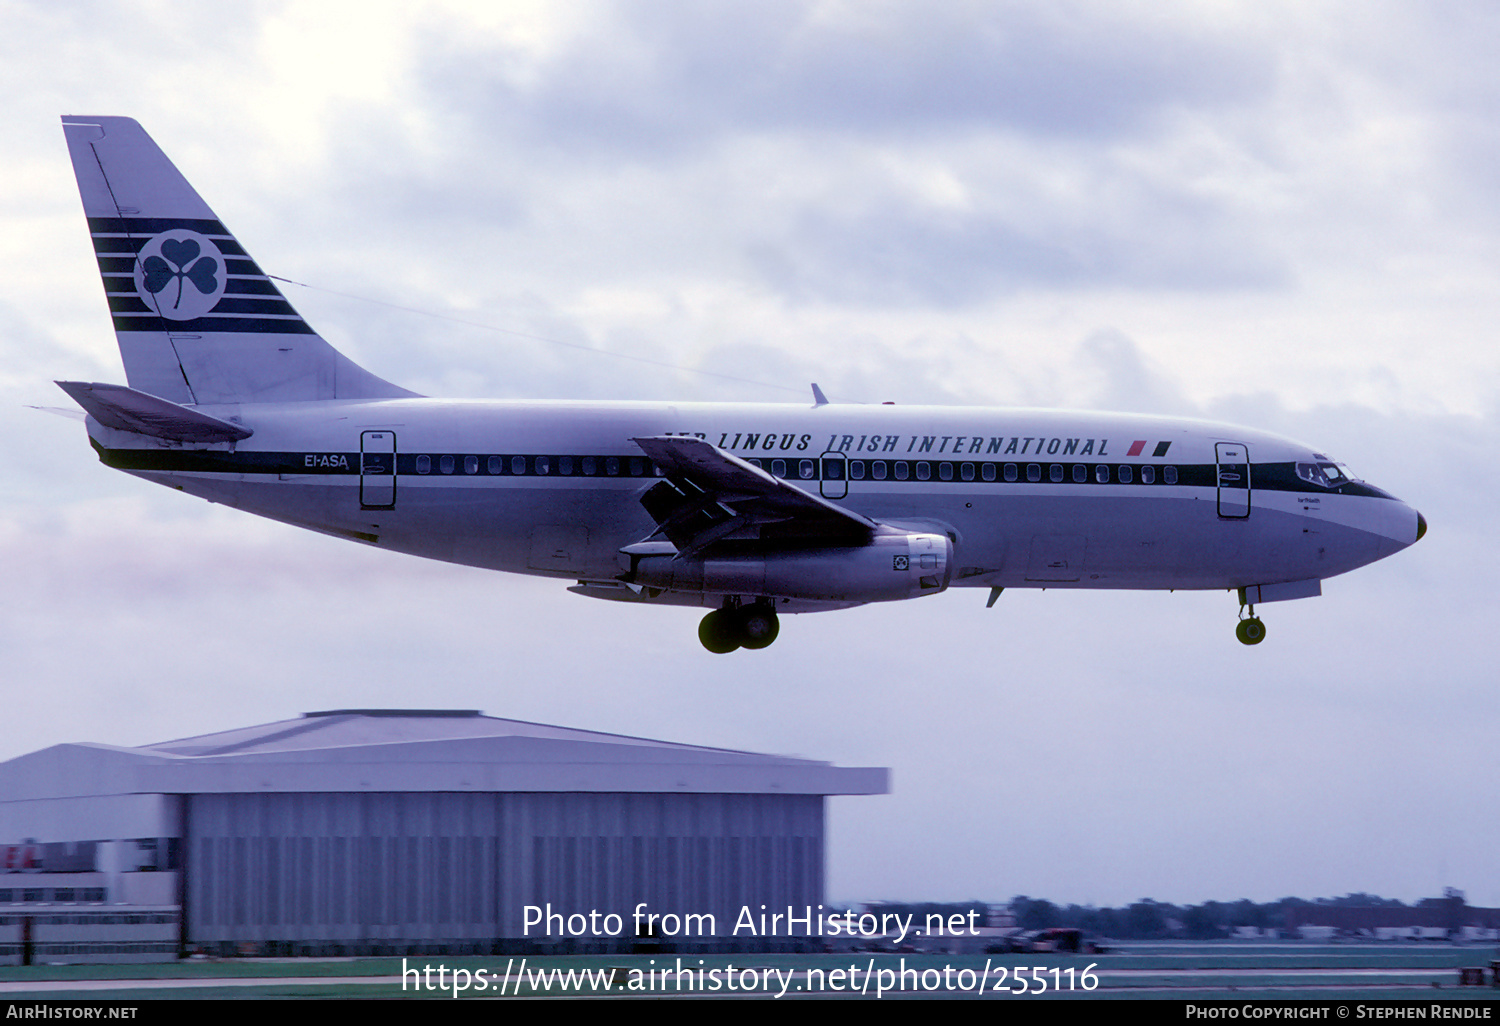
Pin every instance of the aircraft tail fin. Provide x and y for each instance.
(197, 320)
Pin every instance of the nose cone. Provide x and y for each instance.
(1395, 526)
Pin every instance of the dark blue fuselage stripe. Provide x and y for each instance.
(1276, 477)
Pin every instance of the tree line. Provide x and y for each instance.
(1156, 920)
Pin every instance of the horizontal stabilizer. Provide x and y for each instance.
(129, 410)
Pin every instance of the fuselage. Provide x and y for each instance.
(1030, 498)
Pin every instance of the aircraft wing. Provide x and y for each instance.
(709, 495)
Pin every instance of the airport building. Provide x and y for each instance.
(370, 831)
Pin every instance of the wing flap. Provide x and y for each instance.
(710, 494)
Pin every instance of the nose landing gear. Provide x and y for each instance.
(736, 626)
(1250, 630)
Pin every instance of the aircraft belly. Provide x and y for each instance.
(519, 530)
(1162, 542)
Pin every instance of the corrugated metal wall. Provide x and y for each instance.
(452, 872)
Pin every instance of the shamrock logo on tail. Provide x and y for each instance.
(204, 273)
(190, 260)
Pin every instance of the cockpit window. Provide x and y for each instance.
(1324, 474)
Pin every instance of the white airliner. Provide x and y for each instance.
(749, 510)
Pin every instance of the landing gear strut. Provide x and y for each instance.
(1250, 630)
(736, 626)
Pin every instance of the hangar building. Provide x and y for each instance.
(376, 831)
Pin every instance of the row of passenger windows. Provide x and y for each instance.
(902, 470)
(808, 469)
(588, 466)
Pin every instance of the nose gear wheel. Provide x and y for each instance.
(1250, 630)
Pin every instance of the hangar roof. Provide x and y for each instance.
(418, 750)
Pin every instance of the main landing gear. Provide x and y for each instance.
(736, 626)
(1250, 630)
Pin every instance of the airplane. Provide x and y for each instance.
(752, 511)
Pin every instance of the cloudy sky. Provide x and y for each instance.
(1285, 215)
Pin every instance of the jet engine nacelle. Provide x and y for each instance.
(891, 566)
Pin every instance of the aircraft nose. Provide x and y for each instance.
(1421, 526)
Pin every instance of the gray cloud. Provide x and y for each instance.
(893, 252)
(651, 81)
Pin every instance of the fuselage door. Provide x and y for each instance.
(833, 482)
(1234, 479)
(377, 470)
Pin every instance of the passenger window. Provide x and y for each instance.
(611, 465)
(1055, 473)
(856, 470)
(1101, 474)
(495, 465)
(1080, 473)
(805, 469)
(877, 470)
(945, 471)
(590, 466)
(445, 464)
(1011, 472)
(1033, 471)
(637, 466)
(924, 470)
(518, 464)
(989, 472)
(543, 464)
(1125, 473)
(565, 465)
(1169, 475)
(778, 467)
(902, 470)
(967, 472)
(471, 464)
(1148, 475)
(756, 463)
(424, 464)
